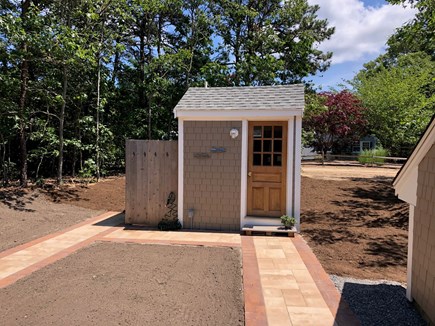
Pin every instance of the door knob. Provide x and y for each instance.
(249, 173)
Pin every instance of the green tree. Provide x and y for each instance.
(268, 42)
(167, 46)
(78, 77)
(418, 35)
(21, 30)
(399, 97)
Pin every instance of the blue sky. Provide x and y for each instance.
(362, 28)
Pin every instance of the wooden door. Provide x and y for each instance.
(267, 161)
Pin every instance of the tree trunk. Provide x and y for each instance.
(116, 63)
(23, 153)
(97, 131)
(22, 123)
(39, 167)
(149, 97)
(24, 77)
(62, 109)
(9, 163)
(74, 163)
(149, 120)
(97, 127)
(141, 88)
(3, 162)
(61, 124)
(78, 137)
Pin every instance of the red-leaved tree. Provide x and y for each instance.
(334, 119)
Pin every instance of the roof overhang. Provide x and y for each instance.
(268, 114)
(278, 102)
(405, 182)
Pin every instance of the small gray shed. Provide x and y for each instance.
(239, 154)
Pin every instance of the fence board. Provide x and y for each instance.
(141, 208)
(130, 183)
(173, 166)
(151, 174)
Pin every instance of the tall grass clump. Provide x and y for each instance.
(366, 156)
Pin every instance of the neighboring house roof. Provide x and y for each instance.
(405, 182)
(249, 98)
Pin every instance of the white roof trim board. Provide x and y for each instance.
(405, 182)
(284, 100)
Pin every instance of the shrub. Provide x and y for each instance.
(288, 221)
(89, 169)
(367, 156)
(169, 225)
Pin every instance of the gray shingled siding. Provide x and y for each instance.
(423, 258)
(212, 184)
(283, 97)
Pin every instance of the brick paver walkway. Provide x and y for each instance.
(284, 284)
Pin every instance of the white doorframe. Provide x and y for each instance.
(244, 173)
(293, 165)
(180, 169)
(290, 165)
(297, 174)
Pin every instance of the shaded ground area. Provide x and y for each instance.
(27, 214)
(108, 194)
(356, 226)
(169, 285)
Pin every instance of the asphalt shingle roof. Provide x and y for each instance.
(282, 97)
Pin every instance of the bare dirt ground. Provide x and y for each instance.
(27, 214)
(350, 217)
(108, 194)
(354, 223)
(169, 285)
(345, 171)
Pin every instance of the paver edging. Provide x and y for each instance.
(255, 308)
(51, 259)
(26, 245)
(339, 309)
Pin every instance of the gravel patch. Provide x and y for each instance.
(379, 302)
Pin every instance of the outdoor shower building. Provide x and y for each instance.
(239, 156)
(415, 184)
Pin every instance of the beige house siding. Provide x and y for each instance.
(423, 260)
(212, 184)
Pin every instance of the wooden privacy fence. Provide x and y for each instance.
(151, 169)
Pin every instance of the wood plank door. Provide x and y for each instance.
(267, 162)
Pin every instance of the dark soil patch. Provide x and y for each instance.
(131, 284)
(356, 227)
